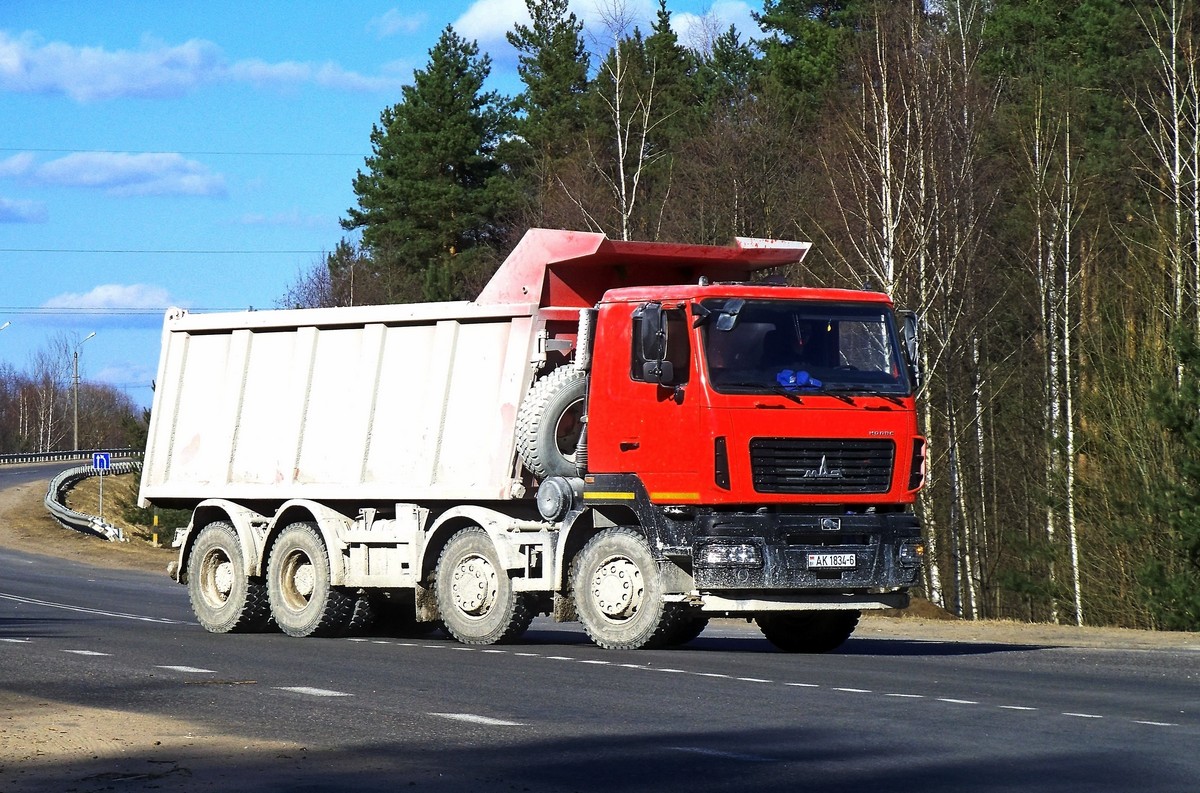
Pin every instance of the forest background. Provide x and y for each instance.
(1025, 174)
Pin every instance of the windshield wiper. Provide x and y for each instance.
(769, 388)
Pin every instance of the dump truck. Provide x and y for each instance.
(637, 436)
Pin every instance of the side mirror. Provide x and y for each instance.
(653, 341)
(910, 335)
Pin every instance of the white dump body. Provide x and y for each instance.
(375, 403)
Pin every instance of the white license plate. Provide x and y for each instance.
(832, 561)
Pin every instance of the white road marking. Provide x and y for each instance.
(87, 652)
(1016, 707)
(906, 696)
(477, 719)
(82, 610)
(559, 658)
(957, 701)
(1083, 715)
(16, 641)
(193, 670)
(854, 690)
(597, 663)
(1155, 723)
(748, 758)
(803, 685)
(753, 680)
(313, 692)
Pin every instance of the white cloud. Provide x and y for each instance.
(487, 21)
(394, 23)
(123, 174)
(17, 165)
(87, 74)
(113, 297)
(91, 74)
(12, 211)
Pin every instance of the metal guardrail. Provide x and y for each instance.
(56, 496)
(50, 457)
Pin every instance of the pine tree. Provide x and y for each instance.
(806, 50)
(728, 75)
(1173, 583)
(436, 195)
(553, 65)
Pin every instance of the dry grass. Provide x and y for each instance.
(26, 525)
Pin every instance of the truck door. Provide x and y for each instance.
(643, 416)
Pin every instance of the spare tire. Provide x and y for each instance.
(550, 422)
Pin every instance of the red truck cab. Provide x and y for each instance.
(771, 433)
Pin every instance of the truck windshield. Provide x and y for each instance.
(802, 347)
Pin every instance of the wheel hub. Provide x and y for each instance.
(304, 581)
(474, 585)
(223, 579)
(617, 588)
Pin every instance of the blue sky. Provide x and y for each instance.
(200, 154)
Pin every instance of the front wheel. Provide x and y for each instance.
(224, 598)
(475, 595)
(807, 631)
(303, 601)
(619, 592)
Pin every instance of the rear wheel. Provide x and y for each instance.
(619, 593)
(808, 631)
(224, 598)
(687, 628)
(395, 615)
(303, 601)
(475, 595)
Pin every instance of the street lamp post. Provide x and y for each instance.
(75, 382)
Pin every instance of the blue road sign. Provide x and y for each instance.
(101, 461)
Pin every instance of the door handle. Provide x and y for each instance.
(628, 446)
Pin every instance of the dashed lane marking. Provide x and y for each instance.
(746, 758)
(191, 670)
(87, 652)
(474, 718)
(313, 692)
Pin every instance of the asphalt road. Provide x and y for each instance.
(554, 713)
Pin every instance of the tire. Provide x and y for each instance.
(395, 615)
(302, 600)
(686, 629)
(550, 422)
(224, 599)
(808, 631)
(475, 595)
(619, 592)
(362, 616)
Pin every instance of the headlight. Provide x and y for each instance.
(739, 554)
